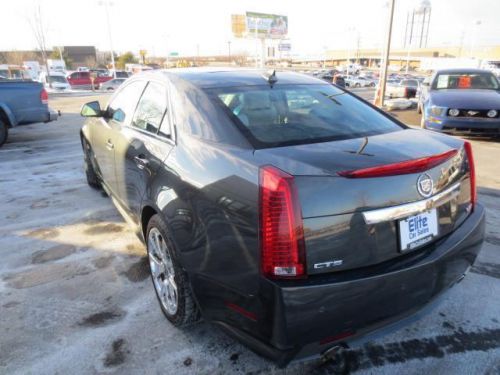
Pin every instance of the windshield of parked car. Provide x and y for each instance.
(57, 79)
(446, 81)
(297, 114)
(409, 82)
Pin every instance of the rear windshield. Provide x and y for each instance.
(295, 114)
(465, 81)
(57, 79)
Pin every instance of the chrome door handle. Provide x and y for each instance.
(141, 161)
(110, 145)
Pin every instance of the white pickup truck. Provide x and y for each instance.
(406, 88)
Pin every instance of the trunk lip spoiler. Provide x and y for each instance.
(408, 209)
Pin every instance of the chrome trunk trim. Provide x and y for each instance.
(413, 208)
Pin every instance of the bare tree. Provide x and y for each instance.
(39, 32)
(18, 57)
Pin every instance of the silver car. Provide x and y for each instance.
(113, 84)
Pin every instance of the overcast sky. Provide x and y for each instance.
(185, 25)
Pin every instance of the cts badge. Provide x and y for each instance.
(425, 185)
(332, 263)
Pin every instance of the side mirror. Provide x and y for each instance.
(91, 109)
(426, 83)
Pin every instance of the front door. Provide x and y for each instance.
(118, 113)
(143, 146)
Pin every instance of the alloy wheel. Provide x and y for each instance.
(162, 271)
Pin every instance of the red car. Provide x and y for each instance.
(81, 80)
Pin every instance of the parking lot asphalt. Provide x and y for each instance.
(75, 293)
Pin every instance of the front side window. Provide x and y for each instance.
(122, 107)
(297, 114)
(151, 108)
(484, 80)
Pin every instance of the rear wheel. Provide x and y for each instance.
(92, 178)
(4, 132)
(169, 279)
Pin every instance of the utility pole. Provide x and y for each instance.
(106, 4)
(229, 50)
(383, 78)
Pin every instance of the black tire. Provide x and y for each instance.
(4, 132)
(187, 312)
(92, 178)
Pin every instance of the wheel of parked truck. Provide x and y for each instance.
(169, 280)
(4, 132)
(92, 178)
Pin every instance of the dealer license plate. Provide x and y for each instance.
(417, 230)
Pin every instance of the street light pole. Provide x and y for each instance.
(383, 79)
(106, 8)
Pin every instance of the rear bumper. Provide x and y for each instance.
(310, 316)
(465, 126)
(52, 115)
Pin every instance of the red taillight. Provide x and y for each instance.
(44, 97)
(404, 167)
(281, 231)
(472, 173)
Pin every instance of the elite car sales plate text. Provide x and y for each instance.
(417, 230)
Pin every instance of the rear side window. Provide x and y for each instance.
(151, 108)
(122, 106)
(297, 114)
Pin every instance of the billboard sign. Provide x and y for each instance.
(284, 47)
(238, 25)
(268, 26)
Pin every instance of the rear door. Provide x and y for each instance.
(104, 136)
(142, 146)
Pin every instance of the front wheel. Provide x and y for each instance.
(4, 132)
(169, 279)
(92, 178)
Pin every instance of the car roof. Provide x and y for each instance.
(229, 77)
(462, 71)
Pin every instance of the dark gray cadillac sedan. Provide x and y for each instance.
(287, 211)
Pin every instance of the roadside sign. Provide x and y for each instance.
(268, 26)
(173, 54)
(238, 25)
(284, 47)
